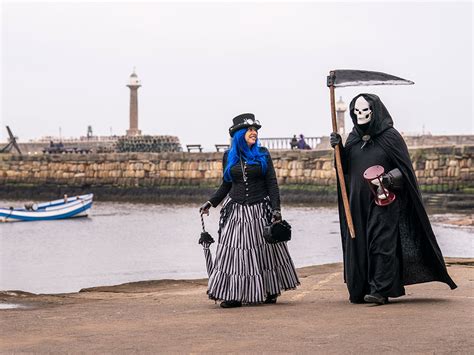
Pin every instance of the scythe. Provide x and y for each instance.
(343, 78)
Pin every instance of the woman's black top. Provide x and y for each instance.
(256, 187)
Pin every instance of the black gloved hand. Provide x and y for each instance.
(204, 209)
(276, 216)
(393, 180)
(335, 139)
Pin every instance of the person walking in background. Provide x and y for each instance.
(294, 142)
(247, 269)
(302, 143)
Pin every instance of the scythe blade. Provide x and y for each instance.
(346, 77)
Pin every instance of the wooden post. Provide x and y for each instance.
(340, 172)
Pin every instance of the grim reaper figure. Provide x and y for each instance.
(394, 244)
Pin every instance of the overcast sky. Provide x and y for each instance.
(66, 65)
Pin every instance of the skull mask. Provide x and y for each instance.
(362, 110)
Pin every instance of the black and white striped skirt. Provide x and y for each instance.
(246, 267)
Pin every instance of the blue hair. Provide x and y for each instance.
(239, 147)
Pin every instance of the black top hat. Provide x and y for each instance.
(244, 120)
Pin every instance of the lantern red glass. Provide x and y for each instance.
(382, 196)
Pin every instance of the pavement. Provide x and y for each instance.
(175, 316)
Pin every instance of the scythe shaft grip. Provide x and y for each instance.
(340, 172)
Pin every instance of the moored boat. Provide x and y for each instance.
(68, 207)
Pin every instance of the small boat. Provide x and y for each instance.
(68, 207)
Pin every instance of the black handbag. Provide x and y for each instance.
(277, 232)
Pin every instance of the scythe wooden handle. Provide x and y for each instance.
(340, 172)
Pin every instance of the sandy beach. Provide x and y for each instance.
(176, 316)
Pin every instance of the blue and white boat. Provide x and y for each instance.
(68, 207)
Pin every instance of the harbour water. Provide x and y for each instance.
(125, 242)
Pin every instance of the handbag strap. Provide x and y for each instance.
(202, 222)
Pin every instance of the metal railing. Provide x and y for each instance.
(283, 143)
(48, 139)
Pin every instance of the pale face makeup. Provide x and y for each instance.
(251, 136)
(362, 110)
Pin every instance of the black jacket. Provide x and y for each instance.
(255, 189)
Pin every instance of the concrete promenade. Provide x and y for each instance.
(176, 317)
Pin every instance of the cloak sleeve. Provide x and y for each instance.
(394, 145)
(344, 160)
(272, 184)
(352, 139)
(225, 187)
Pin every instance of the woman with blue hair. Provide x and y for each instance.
(247, 269)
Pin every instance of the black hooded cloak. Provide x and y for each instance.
(395, 244)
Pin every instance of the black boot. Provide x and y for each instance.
(271, 299)
(357, 301)
(376, 298)
(231, 304)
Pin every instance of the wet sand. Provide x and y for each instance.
(458, 220)
(176, 316)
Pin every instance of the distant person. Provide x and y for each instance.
(394, 243)
(294, 142)
(247, 269)
(302, 143)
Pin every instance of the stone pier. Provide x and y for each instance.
(312, 170)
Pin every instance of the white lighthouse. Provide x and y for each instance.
(341, 108)
(133, 84)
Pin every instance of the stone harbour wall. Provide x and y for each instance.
(435, 165)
